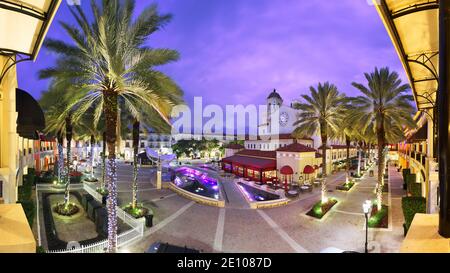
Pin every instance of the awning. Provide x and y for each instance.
(252, 162)
(420, 135)
(30, 117)
(308, 169)
(286, 170)
(23, 25)
(413, 28)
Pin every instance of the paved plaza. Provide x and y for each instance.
(237, 228)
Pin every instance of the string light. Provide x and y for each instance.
(111, 203)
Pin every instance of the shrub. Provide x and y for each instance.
(30, 210)
(405, 173)
(40, 249)
(320, 209)
(410, 179)
(415, 189)
(411, 206)
(379, 219)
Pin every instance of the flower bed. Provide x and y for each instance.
(319, 210)
(379, 219)
(75, 177)
(102, 191)
(346, 186)
(91, 179)
(138, 212)
(69, 210)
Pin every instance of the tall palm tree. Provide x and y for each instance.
(69, 135)
(322, 113)
(136, 131)
(385, 109)
(112, 68)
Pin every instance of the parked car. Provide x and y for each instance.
(160, 247)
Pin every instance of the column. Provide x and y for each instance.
(443, 103)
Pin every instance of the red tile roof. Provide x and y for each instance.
(337, 147)
(258, 153)
(234, 146)
(296, 148)
(252, 162)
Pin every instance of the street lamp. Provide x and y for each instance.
(75, 163)
(366, 208)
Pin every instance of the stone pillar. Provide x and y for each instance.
(443, 101)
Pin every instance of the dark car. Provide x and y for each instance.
(160, 247)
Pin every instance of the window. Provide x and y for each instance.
(127, 144)
(142, 145)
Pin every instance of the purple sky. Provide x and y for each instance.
(237, 51)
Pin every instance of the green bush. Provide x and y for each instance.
(30, 210)
(411, 206)
(32, 171)
(410, 179)
(25, 191)
(40, 249)
(378, 219)
(415, 189)
(405, 173)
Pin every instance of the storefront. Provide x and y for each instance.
(253, 168)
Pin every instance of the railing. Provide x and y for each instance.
(136, 231)
(102, 246)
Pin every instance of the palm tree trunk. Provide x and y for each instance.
(347, 141)
(111, 109)
(136, 126)
(324, 167)
(60, 161)
(380, 138)
(102, 184)
(69, 130)
(92, 156)
(359, 160)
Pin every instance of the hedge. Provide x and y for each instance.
(24, 196)
(411, 206)
(405, 172)
(30, 210)
(410, 179)
(415, 189)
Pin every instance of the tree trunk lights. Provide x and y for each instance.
(136, 126)
(444, 121)
(92, 156)
(111, 110)
(69, 130)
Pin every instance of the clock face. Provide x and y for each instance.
(284, 119)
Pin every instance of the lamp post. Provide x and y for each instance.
(366, 208)
(75, 163)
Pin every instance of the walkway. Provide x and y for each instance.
(233, 195)
(237, 228)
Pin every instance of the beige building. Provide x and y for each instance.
(23, 26)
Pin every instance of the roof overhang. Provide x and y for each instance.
(413, 27)
(24, 24)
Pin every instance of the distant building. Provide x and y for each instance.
(281, 157)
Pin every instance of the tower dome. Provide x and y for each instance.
(274, 95)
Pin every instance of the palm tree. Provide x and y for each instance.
(69, 135)
(385, 109)
(136, 131)
(322, 113)
(114, 72)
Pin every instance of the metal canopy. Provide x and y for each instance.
(413, 27)
(23, 25)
